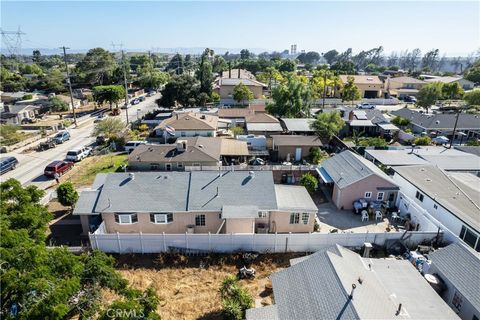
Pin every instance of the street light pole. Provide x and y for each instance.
(69, 83)
(125, 82)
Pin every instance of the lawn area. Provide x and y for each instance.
(188, 286)
(83, 174)
(11, 134)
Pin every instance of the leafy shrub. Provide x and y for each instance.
(27, 97)
(235, 299)
(309, 182)
(316, 155)
(67, 194)
(400, 121)
(372, 142)
(422, 141)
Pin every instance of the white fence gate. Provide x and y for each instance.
(299, 242)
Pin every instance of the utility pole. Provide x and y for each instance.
(454, 128)
(125, 81)
(69, 84)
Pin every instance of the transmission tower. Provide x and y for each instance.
(12, 40)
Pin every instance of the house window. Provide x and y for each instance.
(179, 165)
(154, 166)
(380, 196)
(470, 238)
(126, 218)
(435, 207)
(262, 214)
(305, 217)
(161, 218)
(368, 194)
(457, 300)
(183, 134)
(294, 218)
(168, 167)
(200, 220)
(419, 196)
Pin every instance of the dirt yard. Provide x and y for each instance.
(188, 286)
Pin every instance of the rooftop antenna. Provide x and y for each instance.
(353, 289)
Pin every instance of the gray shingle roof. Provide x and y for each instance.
(268, 127)
(294, 198)
(460, 266)
(147, 192)
(298, 125)
(235, 188)
(346, 168)
(311, 290)
(86, 202)
(319, 286)
(262, 313)
(440, 121)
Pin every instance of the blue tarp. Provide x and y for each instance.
(324, 175)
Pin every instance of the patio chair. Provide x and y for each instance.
(378, 215)
(364, 215)
(395, 216)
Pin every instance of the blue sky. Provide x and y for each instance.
(453, 27)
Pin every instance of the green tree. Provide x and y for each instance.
(309, 182)
(331, 56)
(292, 99)
(236, 131)
(473, 73)
(205, 73)
(57, 105)
(452, 91)
(36, 56)
(316, 155)
(429, 94)
(235, 299)
(110, 94)
(422, 141)
(175, 65)
(472, 98)
(96, 67)
(241, 93)
(67, 194)
(109, 127)
(183, 89)
(203, 98)
(287, 65)
(400, 121)
(215, 97)
(153, 79)
(350, 91)
(327, 124)
(310, 57)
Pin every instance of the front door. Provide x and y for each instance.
(298, 154)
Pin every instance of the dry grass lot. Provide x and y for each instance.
(188, 291)
(84, 172)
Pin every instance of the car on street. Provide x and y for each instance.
(100, 117)
(365, 105)
(131, 145)
(126, 106)
(151, 93)
(61, 137)
(57, 167)
(7, 164)
(135, 102)
(78, 154)
(257, 162)
(440, 140)
(141, 98)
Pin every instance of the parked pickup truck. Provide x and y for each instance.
(78, 154)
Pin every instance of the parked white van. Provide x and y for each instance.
(78, 154)
(130, 145)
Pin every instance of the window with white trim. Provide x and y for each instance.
(470, 237)
(161, 218)
(368, 195)
(126, 218)
(200, 220)
(168, 166)
(179, 165)
(262, 214)
(183, 134)
(294, 218)
(380, 196)
(305, 217)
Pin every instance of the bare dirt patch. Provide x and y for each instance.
(188, 286)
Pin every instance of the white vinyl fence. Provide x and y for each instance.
(300, 242)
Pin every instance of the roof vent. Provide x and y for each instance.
(131, 175)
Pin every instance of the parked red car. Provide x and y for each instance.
(59, 167)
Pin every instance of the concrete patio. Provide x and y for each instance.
(345, 220)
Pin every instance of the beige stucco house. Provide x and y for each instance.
(403, 86)
(188, 124)
(190, 151)
(195, 202)
(351, 177)
(370, 86)
(294, 147)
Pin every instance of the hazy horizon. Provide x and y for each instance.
(452, 27)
